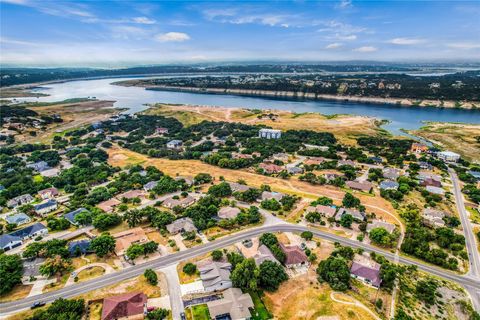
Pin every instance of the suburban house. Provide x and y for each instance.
(270, 134)
(391, 173)
(267, 195)
(435, 190)
(329, 176)
(418, 148)
(345, 163)
(72, 214)
(31, 268)
(380, 224)
(150, 185)
(270, 168)
(325, 211)
(228, 212)
(108, 205)
(357, 215)
(49, 173)
(237, 187)
(233, 305)
(313, 146)
(20, 200)
(216, 276)
(125, 306)
(48, 193)
(376, 160)
(8, 242)
(422, 175)
(38, 166)
(45, 207)
(360, 186)
(264, 254)
(80, 246)
(161, 131)
(294, 257)
(14, 239)
(18, 218)
(172, 202)
(131, 194)
(433, 218)
(294, 170)
(388, 185)
(174, 144)
(314, 161)
(430, 182)
(181, 225)
(236, 155)
(425, 165)
(366, 270)
(448, 156)
(284, 157)
(125, 238)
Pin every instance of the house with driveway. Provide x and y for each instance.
(18, 219)
(181, 225)
(366, 270)
(233, 305)
(16, 238)
(216, 276)
(295, 258)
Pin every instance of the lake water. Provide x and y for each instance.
(135, 98)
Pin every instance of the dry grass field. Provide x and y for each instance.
(122, 157)
(460, 138)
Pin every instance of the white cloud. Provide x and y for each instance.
(344, 4)
(143, 20)
(365, 49)
(335, 45)
(172, 37)
(349, 37)
(406, 41)
(464, 45)
(19, 2)
(4, 40)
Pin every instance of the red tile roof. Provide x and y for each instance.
(294, 255)
(125, 305)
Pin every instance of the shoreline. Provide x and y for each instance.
(469, 105)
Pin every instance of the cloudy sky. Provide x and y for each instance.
(118, 33)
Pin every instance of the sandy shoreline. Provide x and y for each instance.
(312, 96)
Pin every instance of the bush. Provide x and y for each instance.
(189, 268)
(151, 277)
(217, 255)
(307, 235)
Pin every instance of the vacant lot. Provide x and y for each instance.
(460, 138)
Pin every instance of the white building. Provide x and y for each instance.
(448, 156)
(270, 133)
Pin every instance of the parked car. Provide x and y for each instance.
(37, 304)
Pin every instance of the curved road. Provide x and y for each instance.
(110, 279)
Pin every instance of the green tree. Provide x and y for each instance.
(151, 276)
(189, 268)
(103, 244)
(307, 235)
(104, 221)
(133, 217)
(271, 275)
(220, 190)
(334, 270)
(158, 314)
(202, 178)
(61, 309)
(11, 267)
(346, 220)
(380, 236)
(55, 266)
(350, 201)
(217, 255)
(245, 275)
(134, 251)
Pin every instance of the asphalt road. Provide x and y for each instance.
(470, 241)
(473, 255)
(74, 290)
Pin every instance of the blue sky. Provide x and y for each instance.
(119, 33)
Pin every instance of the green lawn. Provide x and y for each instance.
(260, 312)
(38, 178)
(200, 312)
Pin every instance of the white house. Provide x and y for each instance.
(270, 133)
(448, 156)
